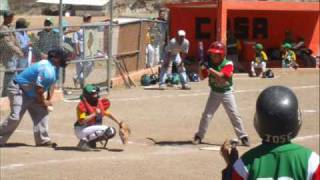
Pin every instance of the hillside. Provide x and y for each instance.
(121, 7)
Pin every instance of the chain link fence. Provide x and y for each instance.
(87, 48)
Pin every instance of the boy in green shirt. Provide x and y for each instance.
(277, 120)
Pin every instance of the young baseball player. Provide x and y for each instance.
(220, 72)
(260, 61)
(177, 48)
(90, 112)
(277, 121)
(288, 57)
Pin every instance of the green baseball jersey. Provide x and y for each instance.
(226, 67)
(277, 162)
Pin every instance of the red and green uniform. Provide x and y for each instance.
(221, 93)
(273, 162)
(226, 67)
(84, 109)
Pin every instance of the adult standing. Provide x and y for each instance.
(24, 41)
(178, 49)
(48, 39)
(83, 69)
(26, 92)
(220, 72)
(10, 50)
(233, 49)
(163, 28)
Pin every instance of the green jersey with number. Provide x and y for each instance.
(277, 162)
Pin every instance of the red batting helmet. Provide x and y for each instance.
(217, 48)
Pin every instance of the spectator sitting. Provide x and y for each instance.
(288, 57)
(260, 61)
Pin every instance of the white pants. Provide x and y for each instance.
(152, 55)
(166, 69)
(89, 133)
(262, 66)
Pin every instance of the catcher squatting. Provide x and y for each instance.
(90, 112)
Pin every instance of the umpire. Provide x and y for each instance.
(26, 92)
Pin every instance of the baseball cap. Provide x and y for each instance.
(287, 45)
(49, 20)
(22, 23)
(181, 33)
(258, 46)
(86, 15)
(8, 13)
(90, 88)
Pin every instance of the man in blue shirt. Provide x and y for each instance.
(26, 92)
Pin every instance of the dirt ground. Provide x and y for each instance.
(163, 124)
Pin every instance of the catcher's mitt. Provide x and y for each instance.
(124, 132)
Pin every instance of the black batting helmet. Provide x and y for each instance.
(277, 119)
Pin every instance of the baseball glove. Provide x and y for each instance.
(124, 132)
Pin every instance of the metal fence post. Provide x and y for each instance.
(110, 55)
(60, 41)
(139, 45)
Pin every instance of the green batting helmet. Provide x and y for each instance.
(175, 79)
(287, 45)
(258, 46)
(145, 80)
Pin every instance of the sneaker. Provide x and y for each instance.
(84, 146)
(47, 144)
(245, 141)
(92, 144)
(196, 140)
(186, 87)
(170, 85)
(252, 74)
(67, 92)
(162, 86)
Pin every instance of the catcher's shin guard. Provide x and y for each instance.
(109, 133)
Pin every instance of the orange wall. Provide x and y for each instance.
(184, 18)
(305, 24)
